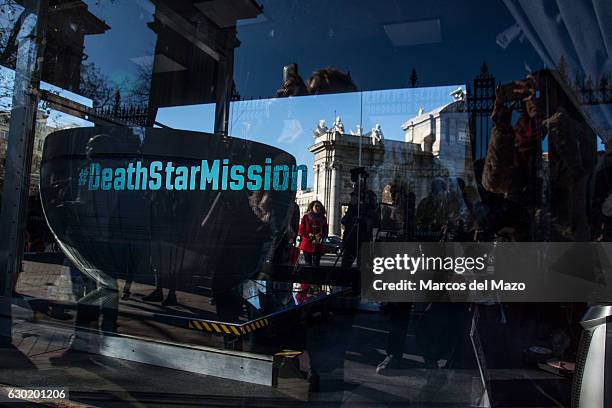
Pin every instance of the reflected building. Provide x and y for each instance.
(436, 146)
(444, 132)
(69, 24)
(42, 130)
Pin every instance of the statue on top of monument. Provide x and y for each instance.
(321, 129)
(358, 131)
(377, 134)
(338, 125)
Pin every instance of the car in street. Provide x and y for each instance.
(332, 244)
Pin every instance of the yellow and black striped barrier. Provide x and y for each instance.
(289, 353)
(224, 328)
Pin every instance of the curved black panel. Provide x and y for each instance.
(206, 238)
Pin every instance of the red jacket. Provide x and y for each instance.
(309, 225)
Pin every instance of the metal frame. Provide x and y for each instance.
(70, 107)
(590, 382)
(484, 399)
(230, 364)
(214, 327)
(22, 130)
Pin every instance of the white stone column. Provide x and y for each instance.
(334, 208)
(315, 169)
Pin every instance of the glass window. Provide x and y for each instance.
(210, 172)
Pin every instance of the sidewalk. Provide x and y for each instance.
(53, 282)
(45, 281)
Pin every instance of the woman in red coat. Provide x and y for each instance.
(313, 229)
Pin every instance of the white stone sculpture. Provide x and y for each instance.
(377, 134)
(338, 126)
(357, 132)
(321, 129)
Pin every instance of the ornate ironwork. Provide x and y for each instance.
(480, 100)
(130, 115)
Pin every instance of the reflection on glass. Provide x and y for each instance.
(433, 121)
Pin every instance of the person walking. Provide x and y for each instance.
(313, 229)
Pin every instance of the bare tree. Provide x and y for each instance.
(11, 20)
(12, 16)
(138, 95)
(96, 86)
(6, 89)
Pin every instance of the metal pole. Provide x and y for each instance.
(19, 154)
(223, 97)
(223, 91)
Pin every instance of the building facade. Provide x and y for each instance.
(42, 130)
(436, 146)
(444, 132)
(389, 163)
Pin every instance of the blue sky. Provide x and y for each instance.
(317, 34)
(287, 123)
